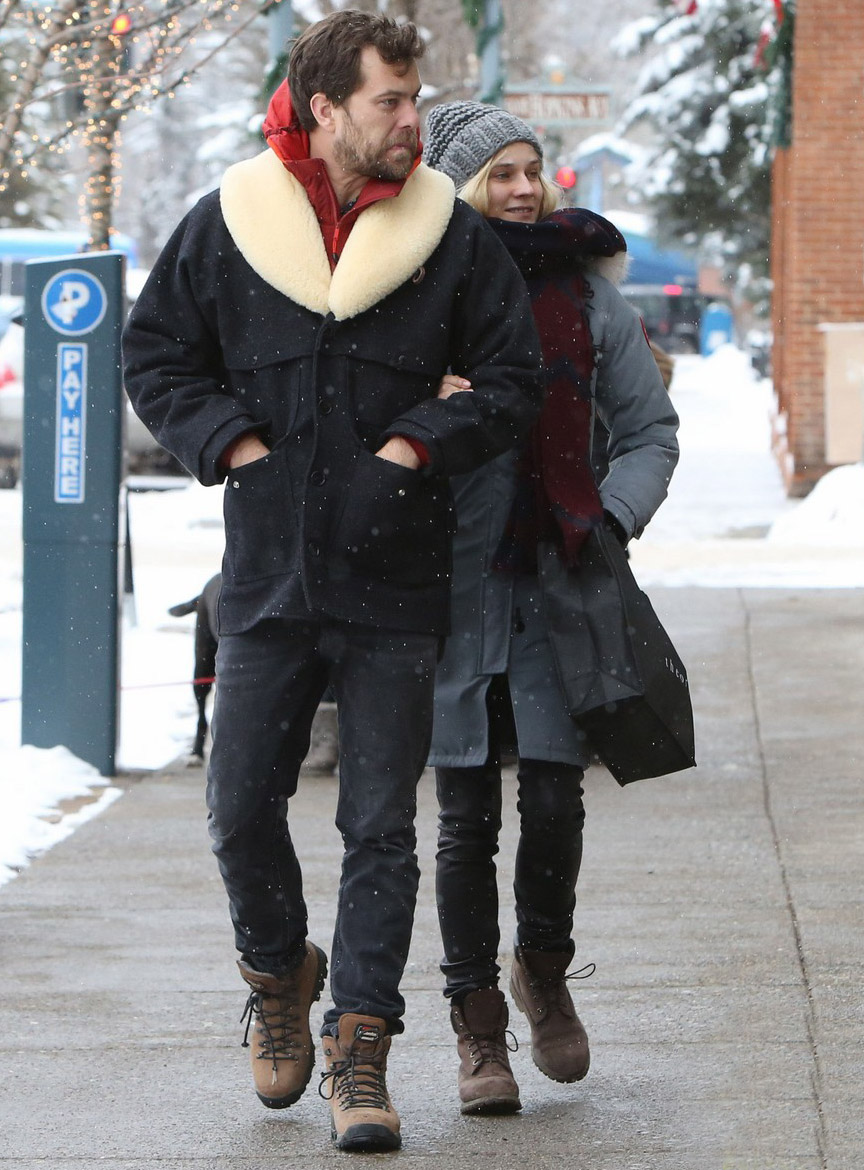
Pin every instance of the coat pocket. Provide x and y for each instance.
(271, 395)
(396, 525)
(260, 519)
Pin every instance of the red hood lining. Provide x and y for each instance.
(282, 130)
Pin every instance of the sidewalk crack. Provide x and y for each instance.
(810, 1012)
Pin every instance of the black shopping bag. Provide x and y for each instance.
(622, 678)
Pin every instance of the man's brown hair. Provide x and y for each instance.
(326, 57)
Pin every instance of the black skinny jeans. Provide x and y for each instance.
(270, 682)
(547, 865)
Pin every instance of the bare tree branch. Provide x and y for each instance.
(50, 45)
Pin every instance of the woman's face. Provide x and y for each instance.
(514, 189)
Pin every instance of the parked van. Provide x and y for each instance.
(671, 314)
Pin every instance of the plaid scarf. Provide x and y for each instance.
(557, 497)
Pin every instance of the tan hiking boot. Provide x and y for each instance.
(353, 1081)
(559, 1043)
(486, 1082)
(281, 1049)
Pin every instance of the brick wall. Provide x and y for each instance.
(818, 225)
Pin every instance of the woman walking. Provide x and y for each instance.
(499, 657)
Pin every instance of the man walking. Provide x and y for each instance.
(292, 336)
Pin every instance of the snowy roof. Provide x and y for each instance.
(619, 148)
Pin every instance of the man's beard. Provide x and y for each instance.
(355, 155)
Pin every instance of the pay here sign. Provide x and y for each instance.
(70, 439)
(73, 303)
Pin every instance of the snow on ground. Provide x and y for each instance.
(176, 545)
(35, 785)
(726, 523)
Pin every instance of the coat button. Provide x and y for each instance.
(318, 478)
(324, 407)
(313, 549)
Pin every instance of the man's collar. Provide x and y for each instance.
(272, 222)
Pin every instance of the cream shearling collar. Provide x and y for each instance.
(272, 222)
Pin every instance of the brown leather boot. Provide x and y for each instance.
(281, 1049)
(486, 1082)
(362, 1114)
(559, 1043)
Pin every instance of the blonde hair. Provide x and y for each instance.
(476, 190)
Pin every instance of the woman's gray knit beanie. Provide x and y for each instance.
(461, 136)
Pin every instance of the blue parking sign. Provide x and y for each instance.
(74, 302)
(71, 470)
(71, 432)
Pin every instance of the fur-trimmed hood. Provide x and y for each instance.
(272, 222)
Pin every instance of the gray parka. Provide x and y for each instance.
(498, 622)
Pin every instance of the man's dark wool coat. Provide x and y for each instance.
(243, 327)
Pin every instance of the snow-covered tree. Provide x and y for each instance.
(175, 151)
(706, 96)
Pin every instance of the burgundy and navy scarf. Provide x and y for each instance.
(557, 497)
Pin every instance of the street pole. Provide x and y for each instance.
(489, 52)
(281, 31)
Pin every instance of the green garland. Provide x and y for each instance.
(780, 59)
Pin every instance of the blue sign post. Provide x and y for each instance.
(72, 461)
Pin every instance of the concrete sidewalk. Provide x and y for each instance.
(721, 906)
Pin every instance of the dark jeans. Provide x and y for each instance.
(270, 682)
(547, 865)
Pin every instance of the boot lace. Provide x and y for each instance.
(552, 993)
(491, 1048)
(356, 1084)
(279, 1025)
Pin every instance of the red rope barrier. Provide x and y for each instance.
(133, 687)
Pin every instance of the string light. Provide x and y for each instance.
(113, 59)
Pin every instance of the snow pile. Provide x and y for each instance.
(33, 785)
(833, 513)
(728, 522)
(726, 481)
(177, 539)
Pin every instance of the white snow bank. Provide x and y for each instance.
(832, 514)
(177, 541)
(33, 784)
(728, 522)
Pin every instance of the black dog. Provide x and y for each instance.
(324, 749)
(206, 642)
